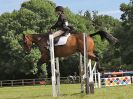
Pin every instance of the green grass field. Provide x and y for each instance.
(68, 91)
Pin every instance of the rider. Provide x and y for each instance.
(62, 24)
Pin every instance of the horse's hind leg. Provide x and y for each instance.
(93, 57)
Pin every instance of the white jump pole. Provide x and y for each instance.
(99, 80)
(85, 63)
(95, 74)
(54, 69)
(81, 74)
(89, 71)
(58, 76)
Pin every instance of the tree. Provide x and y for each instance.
(127, 9)
(123, 58)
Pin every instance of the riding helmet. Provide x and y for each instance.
(59, 8)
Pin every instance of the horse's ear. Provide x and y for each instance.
(24, 37)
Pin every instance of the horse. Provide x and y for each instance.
(74, 44)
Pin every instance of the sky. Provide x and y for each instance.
(108, 7)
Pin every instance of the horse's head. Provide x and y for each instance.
(27, 43)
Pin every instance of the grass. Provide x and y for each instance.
(68, 91)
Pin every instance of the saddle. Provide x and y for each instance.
(68, 32)
(62, 39)
(56, 40)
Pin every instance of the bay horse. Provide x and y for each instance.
(74, 44)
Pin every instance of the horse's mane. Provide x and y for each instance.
(45, 35)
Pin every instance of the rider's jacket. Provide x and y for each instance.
(61, 24)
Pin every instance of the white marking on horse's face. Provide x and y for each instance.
(39, 38)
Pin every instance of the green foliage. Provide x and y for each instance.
(127, 15)
(125, 34)
(69, 65)
(123, 58)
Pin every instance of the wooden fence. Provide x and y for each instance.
(32, 82)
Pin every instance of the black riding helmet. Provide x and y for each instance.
(59, 8)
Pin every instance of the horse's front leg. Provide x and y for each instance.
(40, 62)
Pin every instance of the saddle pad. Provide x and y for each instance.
(62, 40)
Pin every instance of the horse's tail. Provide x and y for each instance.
(105, 35)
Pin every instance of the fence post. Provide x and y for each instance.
(1, 83)
(23, 82)
(12, 83)
(34, 82)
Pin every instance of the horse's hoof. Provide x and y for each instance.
(101, 70)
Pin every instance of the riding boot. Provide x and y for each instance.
(56, 39)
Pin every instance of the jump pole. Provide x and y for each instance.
(81, 73)
(54, 69)
(85, 64)
(88, 70)
(99, 80)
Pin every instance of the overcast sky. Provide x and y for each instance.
(109, 7)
